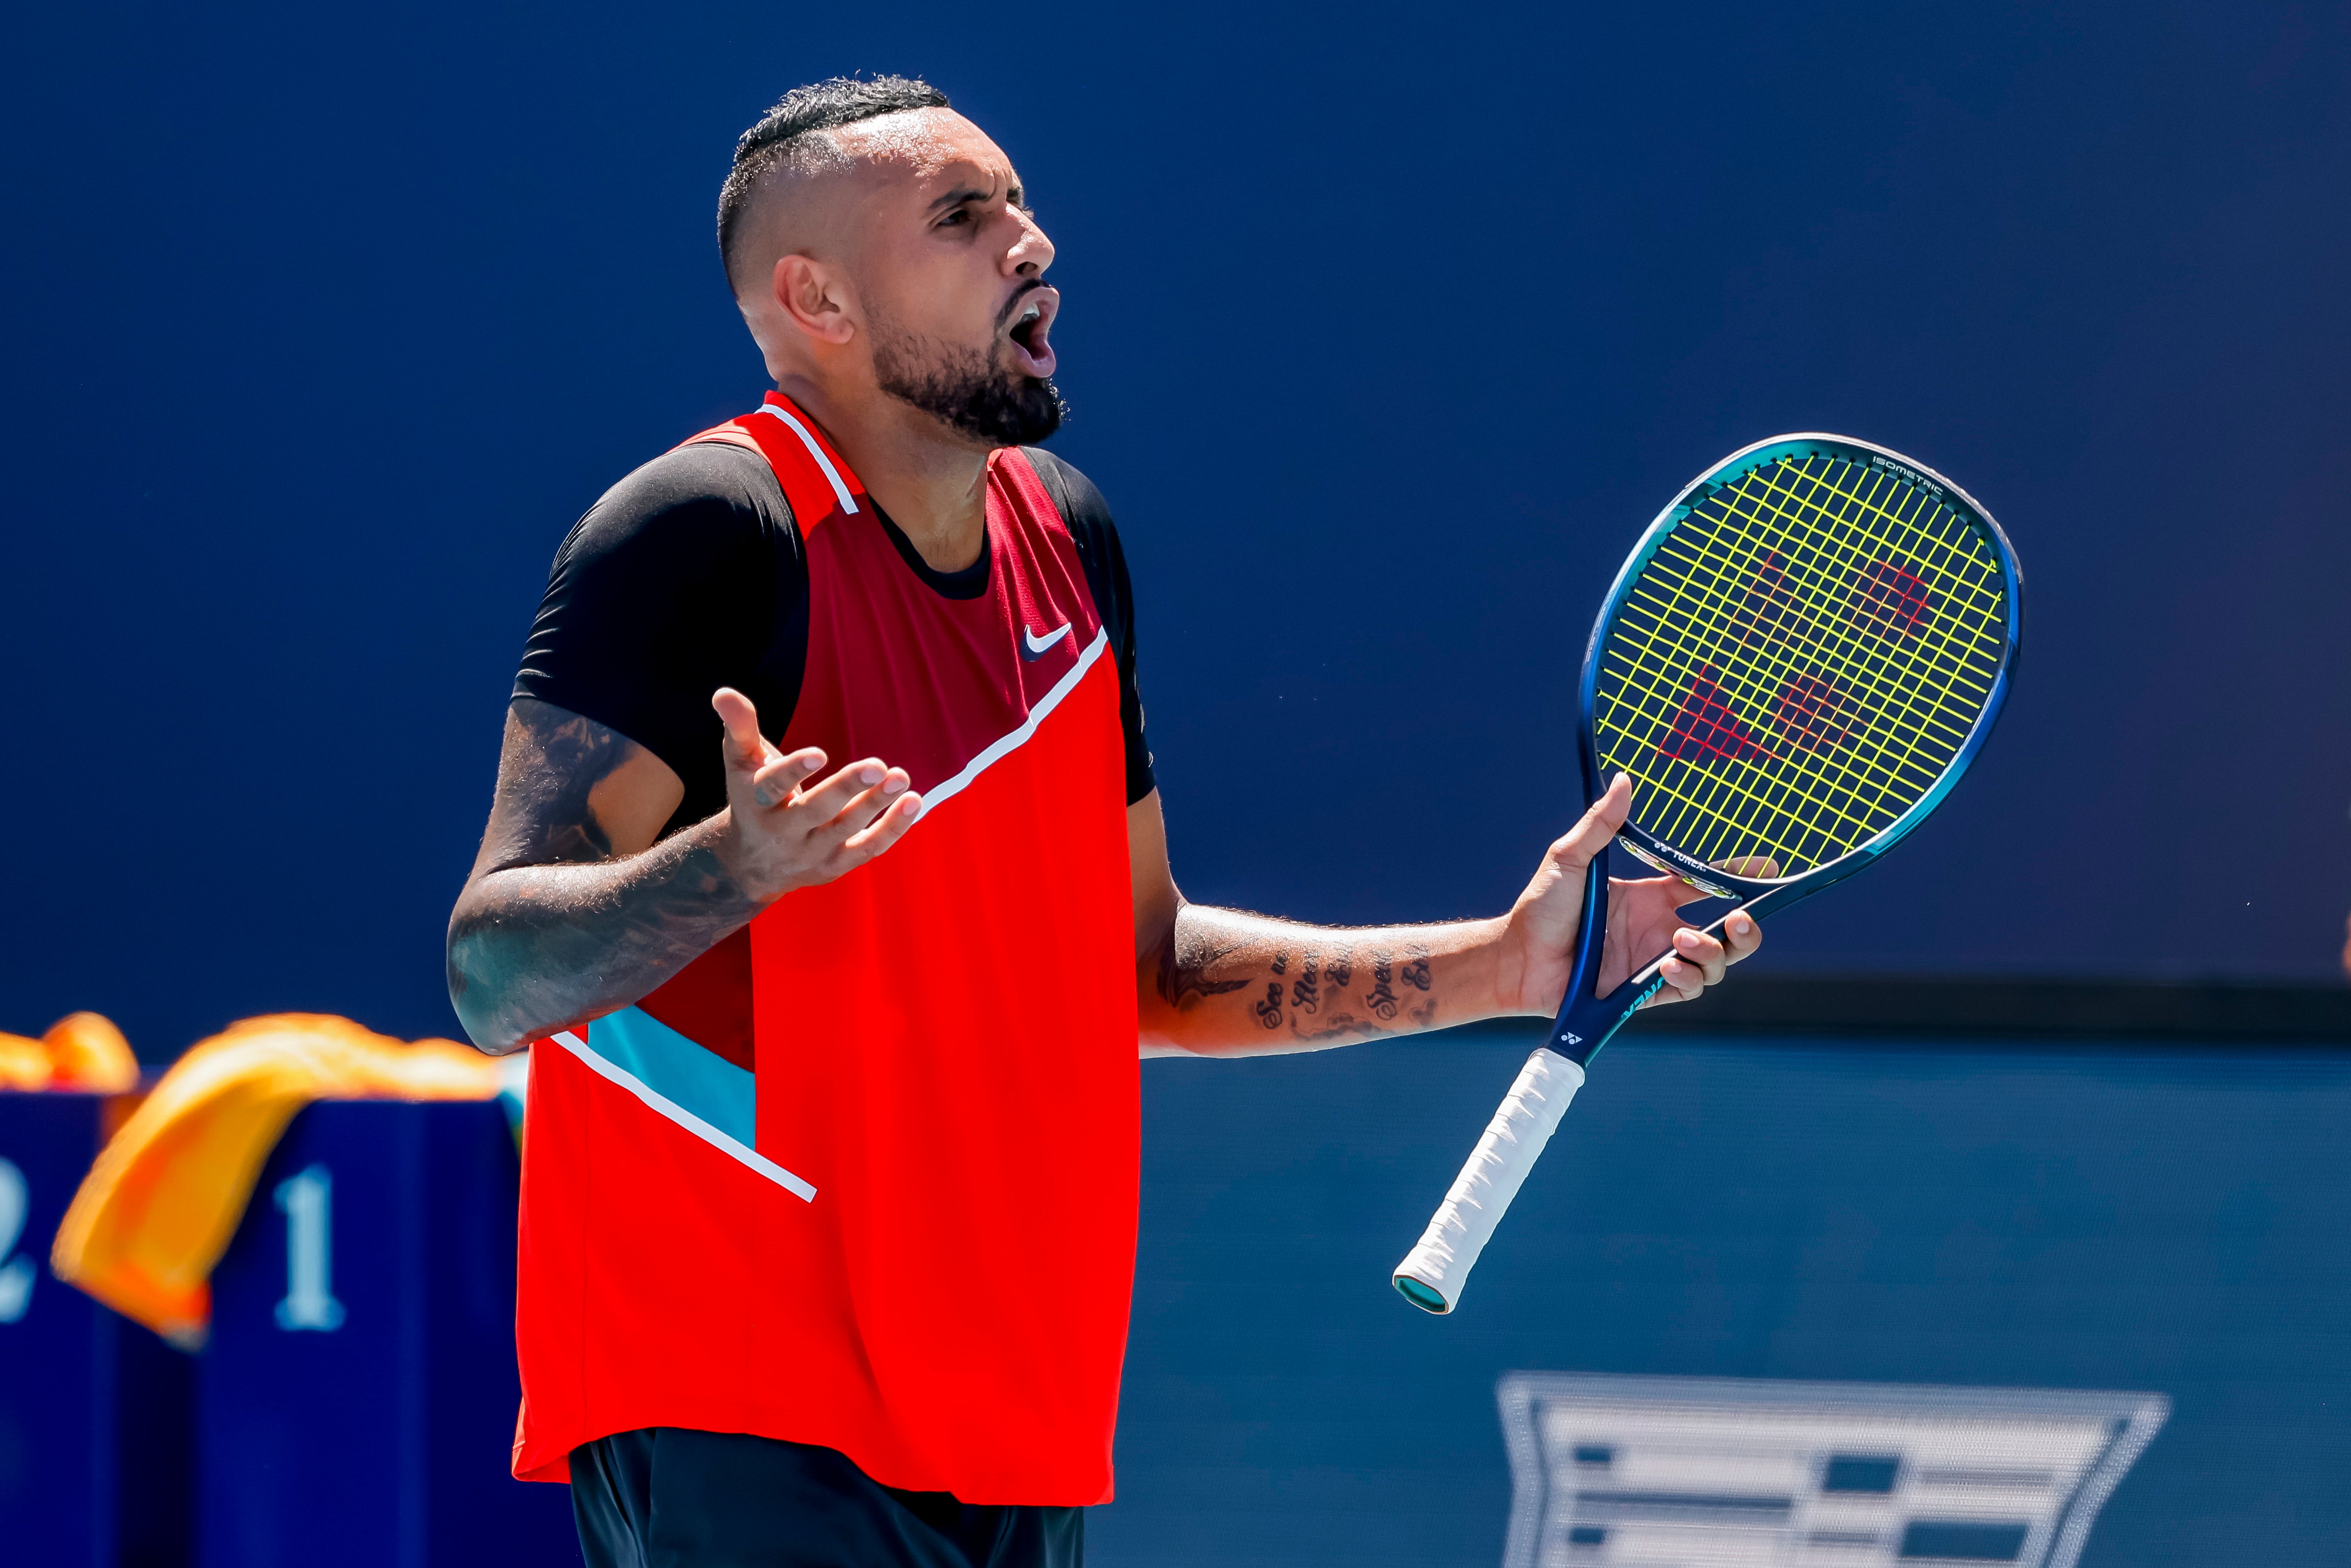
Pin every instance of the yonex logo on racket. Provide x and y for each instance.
(1816, 715)
(1799, 656)
(1891, 595)
(1705, 726)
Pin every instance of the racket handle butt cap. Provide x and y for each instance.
(1433, 1273)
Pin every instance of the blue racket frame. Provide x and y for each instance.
(1587, 1020)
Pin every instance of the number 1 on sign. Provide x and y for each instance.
(308, 1202)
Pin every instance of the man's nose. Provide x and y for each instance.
(1030, 254)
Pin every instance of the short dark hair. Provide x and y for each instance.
(802, 112)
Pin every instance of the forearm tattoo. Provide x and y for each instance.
(1185, 959)
(551, 929)
(1306, 989)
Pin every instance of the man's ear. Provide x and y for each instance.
(813, 298)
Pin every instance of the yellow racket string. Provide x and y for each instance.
(1896, 689)
(1931, 719)
(1748, 679)
(1799, 661)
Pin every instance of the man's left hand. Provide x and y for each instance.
(1539, 935)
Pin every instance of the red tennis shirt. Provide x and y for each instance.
(896, 1215)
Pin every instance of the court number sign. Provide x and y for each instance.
(308, 1202)
(18, 1272)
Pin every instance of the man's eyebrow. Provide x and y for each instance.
(1014, 193)
(957, 197)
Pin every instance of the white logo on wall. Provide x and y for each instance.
(308, 1202)
(1691, 1472)
(17, 1274)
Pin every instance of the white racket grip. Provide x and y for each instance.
(1481, 1194)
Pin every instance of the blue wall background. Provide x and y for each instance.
(1386, 330)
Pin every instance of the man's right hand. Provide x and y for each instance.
(783, 832)
(578, 905)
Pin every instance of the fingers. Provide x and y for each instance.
(777, 783)
(1698, 960)
(1759, 867)
(775, 778)
(745, 746)
(869, 781)
(886, 829)
(873, 819)
(1683, 893)
(1742, 934)
(785, 831)
(865, 807)
(857, 814)
(1589, 837)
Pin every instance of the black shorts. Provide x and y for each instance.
(670, 1498)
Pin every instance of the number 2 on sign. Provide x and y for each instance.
(16, 1274)
(308, 1202)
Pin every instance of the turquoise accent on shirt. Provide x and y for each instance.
(679, 1071)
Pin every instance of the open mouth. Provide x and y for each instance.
(1029, 329)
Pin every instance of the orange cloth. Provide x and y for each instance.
(82, 1051)
(23, 1063)
(89, 1053)
(158, 1209)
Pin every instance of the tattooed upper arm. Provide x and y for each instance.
(551, 929)
(571, 790)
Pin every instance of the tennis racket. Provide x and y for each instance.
(1800, 657)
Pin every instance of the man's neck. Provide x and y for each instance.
(932, 485)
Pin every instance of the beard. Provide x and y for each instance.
(965, 389)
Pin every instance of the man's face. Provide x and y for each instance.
(950, 270)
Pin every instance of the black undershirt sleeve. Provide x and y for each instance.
(684, 576)
(689, 575)
(1088, 515)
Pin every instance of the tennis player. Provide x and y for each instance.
(826, 867)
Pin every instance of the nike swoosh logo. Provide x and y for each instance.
(1032, 646)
